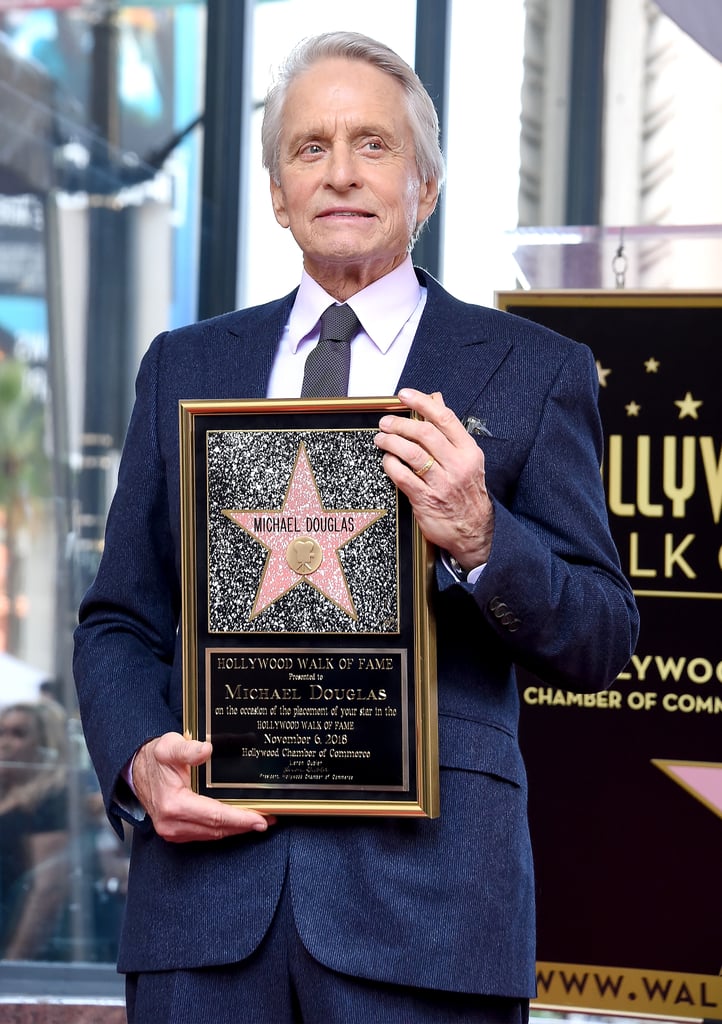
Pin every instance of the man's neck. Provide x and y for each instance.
(343, 280)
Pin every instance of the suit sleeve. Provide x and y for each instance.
(553, 591)
(125, 640)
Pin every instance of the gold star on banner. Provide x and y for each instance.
(703, 779)
(303, 540)
(651, 365)
(688, 406)
(633, 409)
(603, 374)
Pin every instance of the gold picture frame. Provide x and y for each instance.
(309, 656)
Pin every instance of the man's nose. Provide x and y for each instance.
(342, 168)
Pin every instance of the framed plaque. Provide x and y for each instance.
(309, 656)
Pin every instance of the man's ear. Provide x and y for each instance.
(428, 197)
(279, 204)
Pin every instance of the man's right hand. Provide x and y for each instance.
(162, 782)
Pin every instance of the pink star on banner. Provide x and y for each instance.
(703, 779)
(303, 540)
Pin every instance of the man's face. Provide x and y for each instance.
(19, 740)
(349, 189)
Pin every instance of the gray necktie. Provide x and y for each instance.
(327, 365)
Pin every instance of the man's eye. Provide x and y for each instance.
(312, 149)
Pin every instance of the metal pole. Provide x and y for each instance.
(223, 130)
(431, 60)
(586, 104)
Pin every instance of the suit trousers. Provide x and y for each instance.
(281, 983)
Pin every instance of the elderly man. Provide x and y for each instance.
(235, 916)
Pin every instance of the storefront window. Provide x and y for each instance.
(99, 198)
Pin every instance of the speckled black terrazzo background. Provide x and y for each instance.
(251, 469)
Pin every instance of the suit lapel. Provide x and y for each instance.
(454, 351)
(257, 332)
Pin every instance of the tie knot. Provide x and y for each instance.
(339, 323)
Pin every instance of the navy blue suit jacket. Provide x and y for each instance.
(445, 903)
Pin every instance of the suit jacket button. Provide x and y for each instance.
(500, 610)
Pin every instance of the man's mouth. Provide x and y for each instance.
(345, 213)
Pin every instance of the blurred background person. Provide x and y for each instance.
(33, 827)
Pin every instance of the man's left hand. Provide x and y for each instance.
(440, 469)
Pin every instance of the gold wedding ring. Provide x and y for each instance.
(426, 466)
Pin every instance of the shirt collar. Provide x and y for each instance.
(382, 307)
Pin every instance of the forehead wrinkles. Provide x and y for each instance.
(362, 101)
(347, 128)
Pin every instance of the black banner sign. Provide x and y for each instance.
(626, 785)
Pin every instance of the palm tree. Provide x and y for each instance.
(24, 479)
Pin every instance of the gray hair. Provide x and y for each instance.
(354, 46)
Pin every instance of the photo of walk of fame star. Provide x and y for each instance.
(301, 533)
(303, 540)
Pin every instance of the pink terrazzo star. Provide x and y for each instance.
(304, 534)
(703, 779)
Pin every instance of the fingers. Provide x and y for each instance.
(436, 442)
(190, 817)
(434, 411)
(440, 468)
(403, 454)
(176, 749)
(161, 777)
